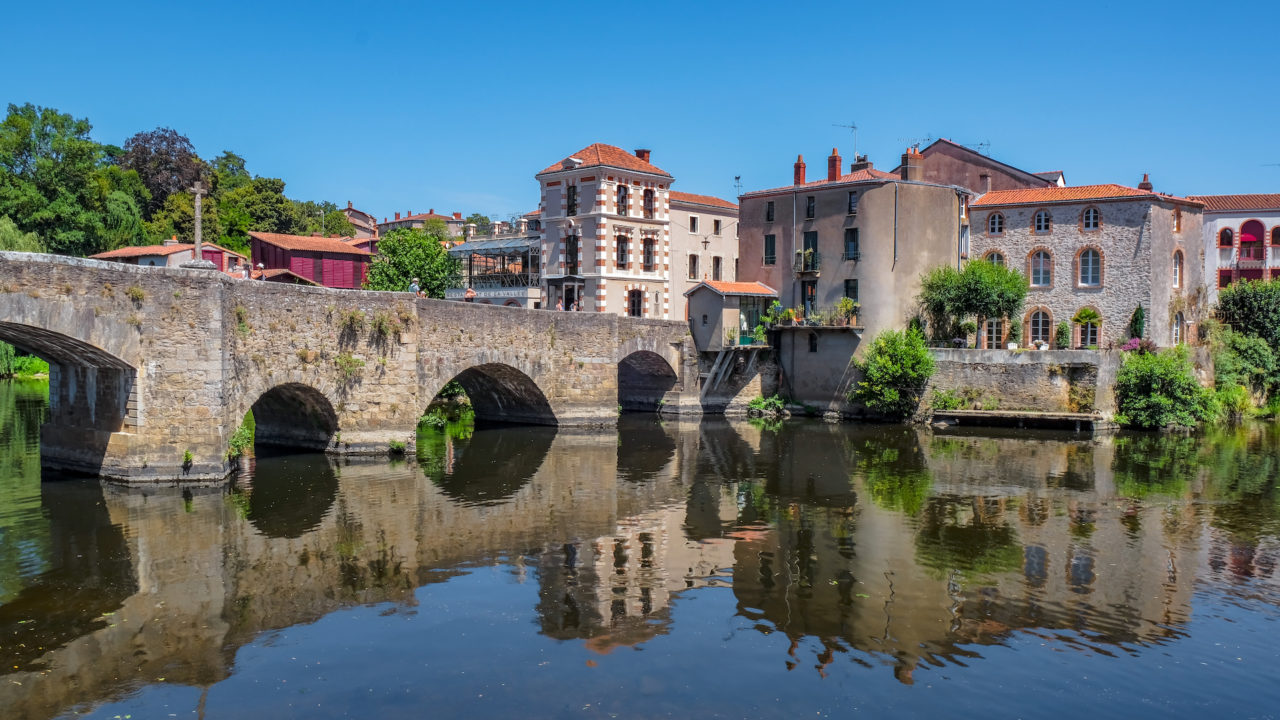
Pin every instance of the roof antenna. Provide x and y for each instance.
(737, 184)
(854, 127)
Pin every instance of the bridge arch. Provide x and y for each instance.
(644, 378)
(503, 394)
(294, 415)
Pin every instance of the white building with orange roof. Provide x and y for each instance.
(615, 238)
(1241, 238)
(1109, 248)
(366, 225)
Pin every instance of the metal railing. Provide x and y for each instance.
(808, 261)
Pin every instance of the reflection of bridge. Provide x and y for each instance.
(152, 369)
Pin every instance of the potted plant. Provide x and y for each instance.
(846, 309)
(788, 316)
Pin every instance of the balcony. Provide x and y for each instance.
(808, 261)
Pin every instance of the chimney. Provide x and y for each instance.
(468, 230)
(348, 204)
(799, 170)
(172, 241)
(457, 216)
(432, 211)
(986, 182)
(523, 225)
(642, 154)
(912, 163)
(833, 165)
(860, 162)
(1146, 183)
(397, 216)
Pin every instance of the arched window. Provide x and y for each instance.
(1252, 235)
(1041, 326)
(1042, 222)
(1177, 269)
(1275, 235)
(624, 200)
(1175, 332)
(995, 224)
(648, 203)
(1092, 219)
(995, 258)
(1226, 238)
(1090, 269)
(1089, 334)
(1041, 269)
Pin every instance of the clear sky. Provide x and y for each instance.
(455, 106)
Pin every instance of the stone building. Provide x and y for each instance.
(410, 221)
(615, 238)
(1106, 247)
(1241, 238)
(366, 225)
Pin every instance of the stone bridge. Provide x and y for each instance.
(153, 369)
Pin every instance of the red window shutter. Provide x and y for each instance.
(212, 255)
(348, 272)
(329, 269)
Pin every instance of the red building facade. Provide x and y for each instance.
(330, 261)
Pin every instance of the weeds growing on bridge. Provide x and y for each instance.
(242, 321)
(352, 320)
(136, 293)
(349, 366)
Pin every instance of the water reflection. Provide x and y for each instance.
(864, 548)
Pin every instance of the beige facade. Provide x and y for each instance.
(1105, 247)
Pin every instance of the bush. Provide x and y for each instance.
(772, 404)
(947, 400)
(242, 439)
(895, 372)
(1062, 336)
(1253, 308)
(1240, 359)
(981, 289)
(1159, 389)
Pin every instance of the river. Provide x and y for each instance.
(669, 569)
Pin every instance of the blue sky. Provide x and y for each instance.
(454, 106)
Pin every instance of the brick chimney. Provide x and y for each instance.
(799, 170)
(348, 204)
(912, 163)
(432, 211)
(397, 216)
(860, 162)
(986, 182)
(643, 154)
(833, 165)
(1146, 183)
(457, 216)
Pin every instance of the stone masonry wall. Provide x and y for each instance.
(1045, 381)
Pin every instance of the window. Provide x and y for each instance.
(851, 244)
(624, 252)
(851, 289)
(768, 211)
(1090, 269)
(648, 254)
(1088, 335)
(1275, 235)
(995, 258)
(994, 333)
(1177, 269)
(693, 267)
(995, 224)
(715, 227)
(635, 303)
(648, 204)
(1041, 326)
(809, 295)
(1041, 269)
(813, 342)
(624, 200)
(810, 206)
(1092, 219)
(571, 255)
(572, 200)
(715, 268)
(770, 249)
(1177, 219)
(1042, 222)
(853, 202)
(1175, 332)
(693, 223)
(1226, 238)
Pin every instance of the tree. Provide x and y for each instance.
(165, 160)
(13, 239)
(1154, 390)
(407, 254)
(484, 226)
(48, 178)
(895, 372)
(1253, 308)
(981, 290)
(178, 217)
(229, 172)
(321, 217)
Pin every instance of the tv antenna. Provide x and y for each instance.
(853, 126)
(737, 184)
(917, 141)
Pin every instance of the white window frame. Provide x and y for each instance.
(1095, 269)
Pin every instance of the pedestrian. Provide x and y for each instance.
(413, 288)
(560, 305)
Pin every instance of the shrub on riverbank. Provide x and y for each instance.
(895, 371)
(1155, 390)
(13, 364)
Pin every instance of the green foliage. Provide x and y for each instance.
(11, 238)
(1155, 390)
(1062, 336)
(1253, 308)
(1086, 316)
(981, 290)
(352, 320)
(321, 217)
(165, 161)
(243, 438)
(484, 226)
(772, 404)
(1247, 360)
(896, 369)
(1234, 400)
(1137, 322)
(383, 324)
(948, 400)
(397, 447)
(349, 366)
(187, 458)
(16, 364)
(452, 389)
(407, 254)
(135, 293)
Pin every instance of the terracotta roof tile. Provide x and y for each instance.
(1227, 203)
(310, 243)
(1071, 193)
(279, 272)
(702, 200)
(864, 175)
(143, 251)
(608, 155)
(420, 216)
(736, 288)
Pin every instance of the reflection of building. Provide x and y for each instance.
(1241, 238)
